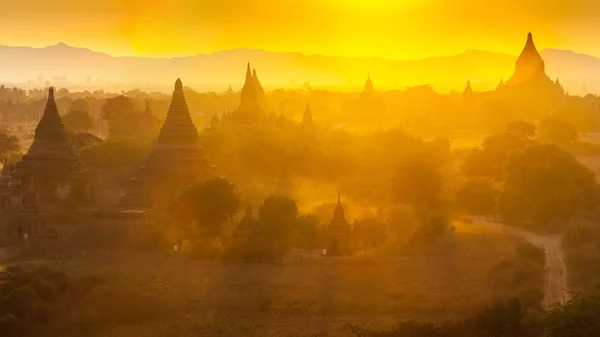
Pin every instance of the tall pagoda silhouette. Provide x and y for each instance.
(530, 76)
(52, 160)
(339, 232)
(252, 108)
(177, 159)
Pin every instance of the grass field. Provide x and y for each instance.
(314, 297)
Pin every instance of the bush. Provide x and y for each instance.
(478, 196)
(11, 326)
(532, 253)
(210, 249)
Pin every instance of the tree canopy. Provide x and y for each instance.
(546, 184)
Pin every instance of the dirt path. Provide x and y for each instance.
(556, 276)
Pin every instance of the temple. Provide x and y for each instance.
(247, 227)
(307, 119)
(52, 160)
(530, 74)
(177, 159)
(468, 90)
(253, 104)
(339, 233)
(261, 97)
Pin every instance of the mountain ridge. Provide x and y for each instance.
(19, 64)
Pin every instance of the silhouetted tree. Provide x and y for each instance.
(8, 144)
(78, 121)
(545, 184)
(214, 201)
(369, 232)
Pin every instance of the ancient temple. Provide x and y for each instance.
(468, 90)
(339, 233)
(253, 101)
(500, 85)
(176, 161)
(32, 218)
(530, 74)
(307, 119)
(247, 227)
(215, 121)
(52, 160)
(368, 90)
(370, 106)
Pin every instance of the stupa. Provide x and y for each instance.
(177, 158)
(253, 101)
(530, 73)
(247, 226)
(307, 119)
(338, 232)
(51, 158)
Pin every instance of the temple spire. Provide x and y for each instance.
(468, 89)
(501, 84)
(368, 86)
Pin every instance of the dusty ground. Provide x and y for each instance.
(556, 276)
(316, 297)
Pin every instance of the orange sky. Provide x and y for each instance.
(401, 29)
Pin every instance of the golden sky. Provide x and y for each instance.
(401, 29)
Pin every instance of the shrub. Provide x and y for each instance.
(11, 326)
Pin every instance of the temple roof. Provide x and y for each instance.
(249, 99)
(529, 66)
(248, 223)
(177, 154)
(307, 119)
(50, 142)
(369, 86)
(468, 88)
(339, 224)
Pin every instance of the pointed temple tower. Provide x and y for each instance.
(250, 110)
(370, 106)
(339, 232)
(176, 160)
(500, 84)
(260, 92)
(530, 76)
(468, 90)
(52, 160)
(247, 226)
(307, 119)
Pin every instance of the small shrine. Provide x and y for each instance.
(338, 233)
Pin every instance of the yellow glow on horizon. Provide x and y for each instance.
(397, 29)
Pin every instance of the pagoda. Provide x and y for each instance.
(468, 90)
(339, 232)
(530, 74)
(307, 119)
(247, 226)
(253, 100)
(177, 159)
(52, 160)
(370, 106)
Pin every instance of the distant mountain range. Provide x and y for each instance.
(577, 72)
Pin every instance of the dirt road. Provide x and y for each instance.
(556, 276)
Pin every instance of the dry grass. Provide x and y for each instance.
(314, 298)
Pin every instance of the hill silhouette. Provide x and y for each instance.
(483, 68)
